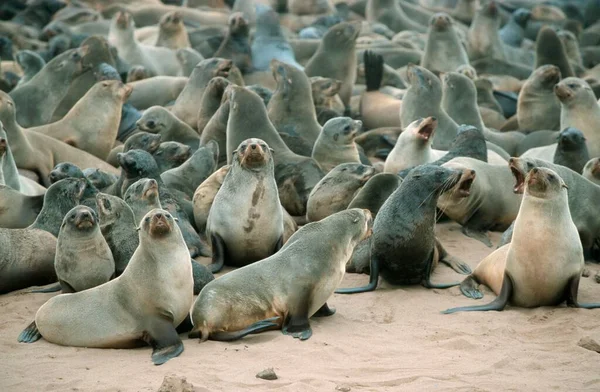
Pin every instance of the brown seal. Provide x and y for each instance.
(538, 108)
(444, 52)
(286, 289)
(544, 227)
(157, 90)
(124, 311)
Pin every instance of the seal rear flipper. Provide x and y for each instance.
(30, 334)
(451, 261)
(163, 338)
(218, 253)
(373, 70)
(469, 288)
(498, 304)
(296, 322)
(373, 279)
(478, 235)
(324, 311)
(52, 289)
(571, 295)
(259, 326)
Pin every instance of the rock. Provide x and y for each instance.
(342, 388)
(589, 343)
(586, 272)
(175, 384)
(267, 374)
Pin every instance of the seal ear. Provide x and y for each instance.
(138, 228)
(564, 185)
(270, 149)
(176, 219)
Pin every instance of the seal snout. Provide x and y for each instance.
(253, 153)
(84, 219)
(563, 92)
(159, 222)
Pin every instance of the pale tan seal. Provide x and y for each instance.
(157, 90)
(335, 144)
(17, 210)
(171, 32)
(543, 228)
(83, 258)
(291, 286)
(591, 170)
(152, 297)
(205, 195)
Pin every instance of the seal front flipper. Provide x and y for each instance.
(30, 334)
(162, 336)
(469, 288)
(373, 278)
(52, 289)
(477, 235)
(451, 261)
(324, 311)
(218, 251)
(296, 322)
(571, 293)
(498, 304)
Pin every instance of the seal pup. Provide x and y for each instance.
(249, 191)
(538, 108)
(118, 226)
(335, 144)
(65, 170)
(190, 174)
(37, 99)
(102, 104)
(397, 254)
(392, 15)
(552, 275)
(286, 289)
(480, 202)
(170, 155)
(159, 120)
(99, 179)
(138, 141)
(591, 170)
(157, 60)
(151, 298)
(337, 189)
(335, 58)
(83, 258)
(571, 150)
(291, 108)
(27, 258)
(204, 196)
(444, 52)
(142, 197)
(413, 146)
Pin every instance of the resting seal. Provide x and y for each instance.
(151, 298)
(290, 286)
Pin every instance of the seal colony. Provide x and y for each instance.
(137, 138)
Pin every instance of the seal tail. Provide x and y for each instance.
(373, 70)
(30, 334)
(257, 327)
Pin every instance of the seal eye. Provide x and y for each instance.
(347, 129)
(572, 85)
(150, 124)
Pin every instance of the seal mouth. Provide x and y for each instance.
(427, 128)
(466, 182)
(519, 175)
(84, 221)
(122, 19)
(440, 22)
(563, 92)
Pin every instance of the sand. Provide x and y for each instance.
(389, 340)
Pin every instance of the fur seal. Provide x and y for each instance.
(31, 63)
(301, 277)
(83, 258)
(157, 60)
(138, 141)
(571, 150)
(171, 32)
(27, 258)
(249, 191)
(479, 201)
(102, 103)
(413, 146)
(550, 50)
(170, 155)
(269, 41)
(375, 192)
(296, 175)
(326, 99)
(513, 32)
(194, 171)
(59, 199)
(156, 90)
(142, 197)
(65, 170)
(335, 58)
(236, 45)
(211, 100)
(37, 99)
(396, 253)
(392, 15)
(552, 276)
(18, 211)
(127, 309)
(591, 170)
(335, 144)
(118, 227)
(337, 189)
(159, 120)
(205, 195)
(538, 108)
(99, 179)
(291, 109)
(444, 52)
(139, 164)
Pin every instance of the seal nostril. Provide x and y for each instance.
(253, 146)
(159, 215)
(535, 170)
(473, 172)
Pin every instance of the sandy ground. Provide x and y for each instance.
(388, 340)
